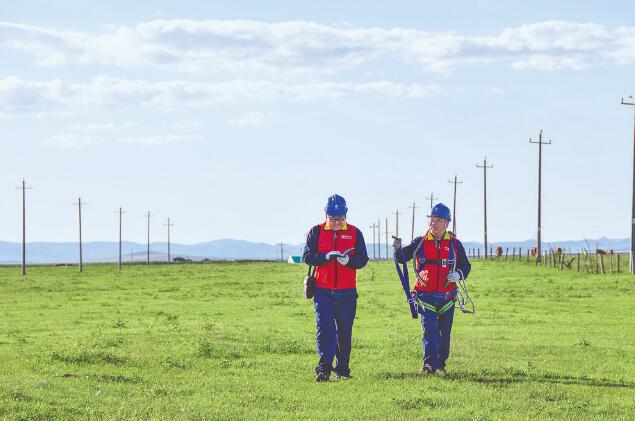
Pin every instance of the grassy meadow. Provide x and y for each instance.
(236, 341)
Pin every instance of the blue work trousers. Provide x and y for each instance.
(436, 328)
(334, 316)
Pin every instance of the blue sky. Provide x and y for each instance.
(238, 120)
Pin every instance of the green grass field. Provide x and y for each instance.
(236, 341)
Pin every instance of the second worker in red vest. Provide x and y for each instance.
(440, 262)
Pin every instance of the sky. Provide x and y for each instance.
(238, 120)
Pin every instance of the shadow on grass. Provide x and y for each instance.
(509, 377)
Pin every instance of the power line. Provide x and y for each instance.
(24, 188)
(148, 216)
(373, 227)
(413, 207)
(81, 254)
(485, 167)
(631, 103)
(455, 182)
(169, 225)
(120, 212)
(397, 213)
(431, 198)
(540, 143)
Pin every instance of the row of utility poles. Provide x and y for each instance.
(79, 204)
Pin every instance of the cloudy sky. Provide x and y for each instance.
(238, 120)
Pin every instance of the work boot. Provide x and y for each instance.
(426, 370)
(441, 372)
(322, 376)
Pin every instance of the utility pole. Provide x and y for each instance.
(148, 216)
(281, 252)
(169, 225)
(81, 255)
(540, 143)
(121, 212)
(386, 230)
(485, 167)
(373, 227)
(631, 103)
(455, 182)
(396, 223)
(413, 207)
(431, 199)
(24, 188)
(378, 238)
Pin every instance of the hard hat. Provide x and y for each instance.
(441, 211)
(336, 206)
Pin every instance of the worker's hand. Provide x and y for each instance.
(396, 243)
(453, 276)
(343, 260)
(331, 255)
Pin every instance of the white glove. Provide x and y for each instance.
(453, 276)
(396, 243)
(343, 260)
(332, 255)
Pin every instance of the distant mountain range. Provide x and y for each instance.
(228, 249)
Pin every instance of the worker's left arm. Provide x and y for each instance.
(359, 259)
(463, 266)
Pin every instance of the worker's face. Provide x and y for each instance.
(336, 222)
(437, 225)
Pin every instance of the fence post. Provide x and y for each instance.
(611, 263)
(479, 253)
(602, 263)
(618, 263)
(578, 261)
(506, 253)
(528, 255)
(561, 260)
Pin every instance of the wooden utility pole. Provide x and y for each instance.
(540, 143)
(378, 238)
(431, 198)
(413, 207)
(455, 182)
(386, 230)
(169, 225)
(281, 252)
(397, 213)
(373, 227)
(148, 216)
(631, 102)
(24, 188)
(485, 167)
(121, 212)
(81, 254)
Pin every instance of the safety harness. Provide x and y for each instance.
(461, 294)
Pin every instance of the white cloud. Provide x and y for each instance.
(253, 119)
(98, 127)
(250, 48)
(162, 139)
(18, 97)
(72, 140)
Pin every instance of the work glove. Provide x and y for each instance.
(396, 243)
(343, 260)
(331, 255)
(453, 276)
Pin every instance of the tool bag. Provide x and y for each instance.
(309, 283)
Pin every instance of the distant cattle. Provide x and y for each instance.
(558, 251)
(498, 251)
(534, 251)
(603, 252)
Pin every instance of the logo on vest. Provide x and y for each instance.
(447, 248)
(347, 237)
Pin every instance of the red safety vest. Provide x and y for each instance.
(435, 266)
(332, 275)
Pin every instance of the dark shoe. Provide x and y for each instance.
(344, 376)
(426, 370)
(322, 376)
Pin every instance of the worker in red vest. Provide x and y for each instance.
(337, 249)
(440, 261)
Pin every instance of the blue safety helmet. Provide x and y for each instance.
(441, 211)
(336, 206)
